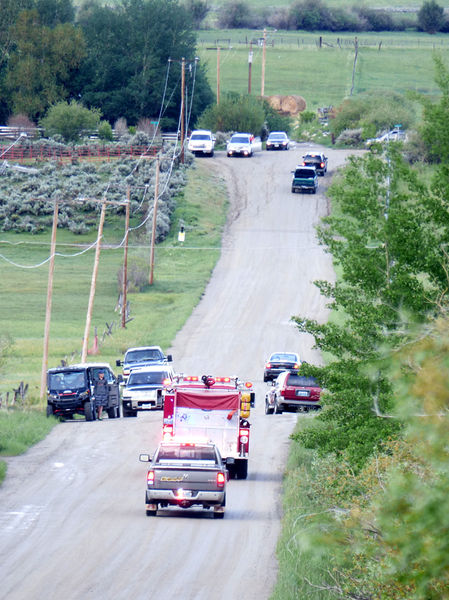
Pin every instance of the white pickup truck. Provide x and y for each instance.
(184, 475)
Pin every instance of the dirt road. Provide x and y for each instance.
(72, 514)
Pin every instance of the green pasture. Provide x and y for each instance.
(295, 64)
(181, 272)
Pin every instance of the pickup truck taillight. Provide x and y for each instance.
(221, 479)
(322, 165)
(150, 478)
(282, 392)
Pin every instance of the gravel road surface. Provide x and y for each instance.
(72, 512)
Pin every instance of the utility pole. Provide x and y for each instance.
(125, 259)
(183, 83)
(218, 75)
(93, 283)
(250, 62)
(153, 231)
(262, 90)
(51, 269)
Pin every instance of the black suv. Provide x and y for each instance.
(70, 391)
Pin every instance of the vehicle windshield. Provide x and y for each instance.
(136, 356)
(200, 136)
(283, 357)
(66, 380)
(146, 378)
(304, 173)
(169, 454)
(277, 136)
(316, 159)
(239, 139)
(302, 380)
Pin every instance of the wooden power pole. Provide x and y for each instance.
(125, 260)
(264, 51)
(51, 270)
(93, 283)
(153, 229)
(183, 85)
(218, 75)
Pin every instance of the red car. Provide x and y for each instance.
(292, 392)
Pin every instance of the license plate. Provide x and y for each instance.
(184, 493)
(303, 393)
(146, 405)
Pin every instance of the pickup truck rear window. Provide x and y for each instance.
(304, 173)
(189, 453)
(239, 139)
(200, 136)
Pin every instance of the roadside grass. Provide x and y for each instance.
(323, 76)
(301, 566)
(181, 272)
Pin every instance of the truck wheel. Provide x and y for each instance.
(314, 191)
(89, 412)
(218, 515)
(50, 411)
(211, 153)
(129, 413)
(268, 408)
(241, 470)
(150, 513)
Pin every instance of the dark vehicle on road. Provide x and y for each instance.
(319, 161)
(278, 140)
(142, 356)
(70, 391)
(304, 180)
(292, 392)
(280, 361)
(185, 475)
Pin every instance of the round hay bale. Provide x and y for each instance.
(292, 105)
(275, 102)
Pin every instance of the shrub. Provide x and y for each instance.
(105, 131)
(69, 120)
(350, 137)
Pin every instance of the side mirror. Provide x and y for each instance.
(118, 363)
(145, 457)
(120, 378)
(169, 358)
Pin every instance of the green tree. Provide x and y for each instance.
(41, 67)
(55, 12)
(129, 47)
(234, 113)
(431, 17)
(384, 240)
(70, 120)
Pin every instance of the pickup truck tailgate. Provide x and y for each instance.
(192, 478)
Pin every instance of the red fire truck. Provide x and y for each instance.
(215, 409)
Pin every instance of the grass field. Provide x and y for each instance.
(180, 274)
(323, 76)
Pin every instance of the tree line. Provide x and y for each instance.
(315, 15)
(117, 59)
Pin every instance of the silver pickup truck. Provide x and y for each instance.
(184, 475)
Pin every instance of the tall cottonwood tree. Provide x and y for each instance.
(41, 67)
(129, 46)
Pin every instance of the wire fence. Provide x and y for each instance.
(40, 153)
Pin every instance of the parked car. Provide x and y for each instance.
(201, 141)
(317, 160)
(144, 388)
(292, 392)
(278, 140)
(71, 390)
(394, 135)
(240, 144)
(304, 180)
(142, 356)
(280, 361)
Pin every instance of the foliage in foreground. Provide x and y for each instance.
(383, 533)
